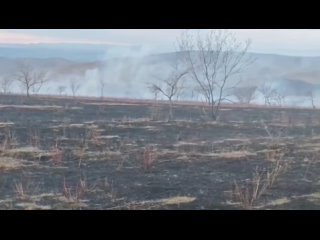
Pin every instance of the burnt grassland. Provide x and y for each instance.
(79, 153)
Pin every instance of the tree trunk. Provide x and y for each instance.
(101, 92)
(170, 110)
(213, 114)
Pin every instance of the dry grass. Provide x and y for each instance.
(309, 147)
(154, 204)
(7, 163)
(177, 200)
(108, 137)
(239, 155)
(32, 206)
(81, 154)
(76, 125)
(197, 155)
(27, 153)
(6, 124)
(313, 197)
(280, 201)
(235, 154)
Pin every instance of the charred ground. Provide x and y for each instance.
(59, 153)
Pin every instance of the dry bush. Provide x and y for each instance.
(93, 135)
(124, 157)
(24, 188)
(155, 113)
(250, 191)
(9, 140)
(57, 156)
(75, 195)
(19, 190)
(310, 161)
(80, 153)
(109, 189)
(149, 157)
(35, 139)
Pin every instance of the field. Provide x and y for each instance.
(83, 153)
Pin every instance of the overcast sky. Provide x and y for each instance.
(280, 41)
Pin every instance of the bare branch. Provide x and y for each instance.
(29, 78)
(74, 86)
(5, 83)
(212, 61)
(170, 85)
(61, 89)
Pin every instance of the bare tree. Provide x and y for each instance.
(30, 79)
(267, 92)
(6, 83)
(74, 87)
(279, 98)
(170, 86)
(39, 79)
(102, 83)
(61, 89)
(245, 94)
(311, 95)
(155, 107)
(213, 60)
(271, 95)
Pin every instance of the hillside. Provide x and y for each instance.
(128, 76)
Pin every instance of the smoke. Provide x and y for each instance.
(128, 71)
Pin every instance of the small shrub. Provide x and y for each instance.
(9, 140)
(250, 191)
(149, 157)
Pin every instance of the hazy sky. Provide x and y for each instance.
(281, 41)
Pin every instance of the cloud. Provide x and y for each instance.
(21, 38)
(281, 41)
(13, 37)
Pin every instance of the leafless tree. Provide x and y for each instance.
(102, 83)
(61, 89)
(279, 98)
(155, 107)
(6, 83)
(245, 94)
(213, 60)
(74, 87)
(267, 92)
(30, 79)
(171, 85)
(271, 95)
(311, 95)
